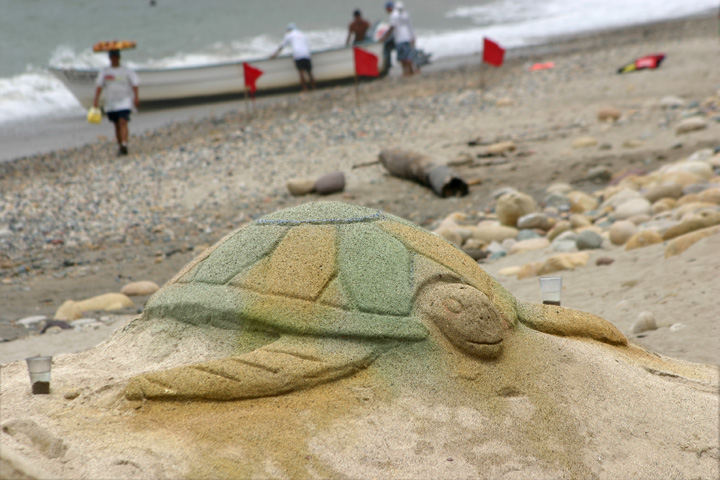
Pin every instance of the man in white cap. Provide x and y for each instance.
(402, 30)
(121, 94)
(300, 52)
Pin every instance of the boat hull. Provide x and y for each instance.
(225, 79)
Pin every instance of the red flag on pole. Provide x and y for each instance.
(251, 75)
(366, 63)
(492, 52)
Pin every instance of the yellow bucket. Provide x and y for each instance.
(94, 115)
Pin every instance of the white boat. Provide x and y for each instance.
(161, 85)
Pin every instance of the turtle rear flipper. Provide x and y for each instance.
(568, 322)
(290, 363)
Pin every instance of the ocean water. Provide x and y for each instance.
(38, 33)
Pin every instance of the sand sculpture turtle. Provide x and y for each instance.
(337, 285)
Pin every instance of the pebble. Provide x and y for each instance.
(513, 205)
(588, 240)
(631, 208)
(608, 114)
(141, 288)
(643, 238)
(33, 322)
(584, 142)
(644, 322)
(691, 124)
(621, 231)
(581, 202)
(535, 220)
(604, 261)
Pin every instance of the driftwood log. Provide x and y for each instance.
(424, 170)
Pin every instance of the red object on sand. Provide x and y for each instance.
(649, 61)
(492, 52)
(366, 63)
(251, 75)
(542, 66)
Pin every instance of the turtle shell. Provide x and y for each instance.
(322, 268)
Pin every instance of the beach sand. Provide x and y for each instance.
(79, 222)
(226, 169)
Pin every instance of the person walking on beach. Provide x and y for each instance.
(402, 30)
(357, 28)
(388, 39)
(300, 52)
(121, 94)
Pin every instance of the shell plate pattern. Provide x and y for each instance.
(322, 268)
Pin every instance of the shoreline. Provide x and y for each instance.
(28, 139)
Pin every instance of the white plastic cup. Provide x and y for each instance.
(550, 289)
(39, 370)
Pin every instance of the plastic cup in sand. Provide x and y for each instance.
(550, 288)
(39, 369)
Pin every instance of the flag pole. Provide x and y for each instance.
(357, 90)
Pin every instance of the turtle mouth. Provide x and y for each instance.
(487, 350)
(495, 342)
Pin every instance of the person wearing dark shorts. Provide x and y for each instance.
(121, 94)
(304, 64)
(301, 54)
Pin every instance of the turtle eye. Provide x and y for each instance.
(453, 305)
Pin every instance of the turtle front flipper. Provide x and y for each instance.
(290, 363)
(567, 322)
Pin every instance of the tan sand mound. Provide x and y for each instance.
(549, 407)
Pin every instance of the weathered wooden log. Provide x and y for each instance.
(424, 170)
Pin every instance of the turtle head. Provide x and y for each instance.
(466, 317)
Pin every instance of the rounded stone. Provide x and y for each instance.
(608, 114)
(621, 231)
(691, 124)
(511, 206)
(527, 234)
(701, 169)
(632, 207)
(588, 240)
(141, 288)
(663, 205)
(644, 323)
(528, 245)
(560, 227)
(489, 231)
(643, 238)
(584, 142)
(559, 187)
(581, 202)
(664, 190)
(535, 220)
(711, 195)
(578, 220)
(330, 183)
(557, 200)
(300, 186)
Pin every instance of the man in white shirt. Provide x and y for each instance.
(300, 52)
(401, 30)
(121, 94)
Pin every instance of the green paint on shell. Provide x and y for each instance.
(374, 269)
(321, 213)
(240, 251)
